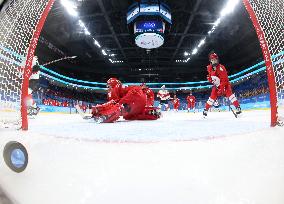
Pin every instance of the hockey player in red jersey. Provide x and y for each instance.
(217, 75)
(176, 103)
(149, 95)
(190, 102)
(129, 102)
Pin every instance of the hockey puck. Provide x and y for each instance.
(15, 156)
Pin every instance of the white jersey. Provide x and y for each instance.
(34, 75)
(163, 95)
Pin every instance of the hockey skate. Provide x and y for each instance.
(33, 111)
(205, 112)
(100, 119)
(239, 110)
(155, 112)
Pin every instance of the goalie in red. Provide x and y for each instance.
(217, 75)
(129, 102)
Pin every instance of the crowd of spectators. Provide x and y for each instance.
(254, 92)
(66, 97)
(53, 102)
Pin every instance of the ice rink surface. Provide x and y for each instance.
(181, 158)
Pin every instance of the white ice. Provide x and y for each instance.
(180, 159)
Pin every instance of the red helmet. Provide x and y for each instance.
(113, 82)
(213, 56)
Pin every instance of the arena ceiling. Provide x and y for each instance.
(234, 40)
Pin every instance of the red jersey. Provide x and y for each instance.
(176, 102)
(149, 96)
(218, 76)
(190, 99)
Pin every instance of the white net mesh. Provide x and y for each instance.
(18, 21)
(270, 15)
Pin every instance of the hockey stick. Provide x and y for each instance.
(82, 114)
(63, 58)
(230, 108)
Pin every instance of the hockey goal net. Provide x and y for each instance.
(21, 22)
(267, 17)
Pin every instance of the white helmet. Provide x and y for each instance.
(163, 87)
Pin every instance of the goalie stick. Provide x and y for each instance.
(82, 114)
(85, 116)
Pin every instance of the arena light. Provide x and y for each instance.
(186, 53)
(104, 52)
(97, 43)
(229, 8)
(81, 23)
(217, 22)
(87, 32)
(194, 51)
(110, 60)
(70, 7)
(202, 42)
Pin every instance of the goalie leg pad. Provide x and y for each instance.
(106, 113)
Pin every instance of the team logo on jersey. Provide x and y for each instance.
(215, 80)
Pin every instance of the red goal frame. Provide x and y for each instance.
(268, 62)
(28, 65)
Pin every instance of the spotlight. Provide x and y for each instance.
(194, 51)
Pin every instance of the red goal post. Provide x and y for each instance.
(267, 17)
(21, 22)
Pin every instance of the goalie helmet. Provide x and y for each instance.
(113, 82)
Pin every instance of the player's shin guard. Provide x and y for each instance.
(236, 103)
(234, 100)
(106, 113)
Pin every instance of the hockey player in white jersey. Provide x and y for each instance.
(33, 109)
(164, 97)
